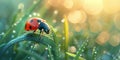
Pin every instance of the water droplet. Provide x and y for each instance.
(15, 24)
(20, 6)
(30, 15)
(82, 50)
(48, 55)
(119, 57)
(12, 36)
(63, 38)
(2, 33)
(59, 49)
(59, 45)
(50, 47)
(95, 52)
(83, 47)
(28, 57)
(55, 12)
(34, 2)
(80, 54)
(62, 20)
(38, 14)
(14, 31)
(34, 14)
(31, 46)
(46, 48)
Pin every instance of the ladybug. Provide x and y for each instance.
(37, 23)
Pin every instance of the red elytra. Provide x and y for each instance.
(32, 24)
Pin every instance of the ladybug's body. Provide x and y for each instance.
(37, 23)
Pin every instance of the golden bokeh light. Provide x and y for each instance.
(103, 37)
(77, 16)
(117, 20)
(115, 40)
(77, 4)
(77, 27)
(95, 26)
(93, 7)
(111, 6)
(68, 3)
(55, 3)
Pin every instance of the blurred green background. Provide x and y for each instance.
(97, 21)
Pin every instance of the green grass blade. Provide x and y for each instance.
(81, 49)
(66, 31)
(73, 55)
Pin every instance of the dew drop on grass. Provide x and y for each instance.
(38, 14)
(95, 52)
(46, 48)
(2, 33)
(31, 46)
(62, 20)
(80, 54)
(50, 47)
(55, 12)
(59, 45)
(30, 15)
(15, 24)
(20, 6)
(83, 47)
(63, 38)
(28, 57)
(48, 55)
(82, 50)
(34, 2)
(59, 49)
(14, 31)
(119, 57)
(34, 14)
(12, 36)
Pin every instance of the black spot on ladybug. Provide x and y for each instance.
(31, 20)
(30, 27)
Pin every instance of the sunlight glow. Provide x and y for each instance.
(117, 20)
(68, 3)
(115, 40)
(93, 7)
(103, 37)
(77, 16)
(95, 26)
(111, 6)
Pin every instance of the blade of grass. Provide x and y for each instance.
(94, 53)
(66, 31)
(33, 54)
(50, 53)
(73, 55)
(30, 37)
(81, 49)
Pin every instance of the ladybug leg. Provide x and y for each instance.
(41, 31)
(34, 31)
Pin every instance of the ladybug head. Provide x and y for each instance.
(31, 24)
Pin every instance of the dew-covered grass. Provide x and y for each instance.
(75, 34)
